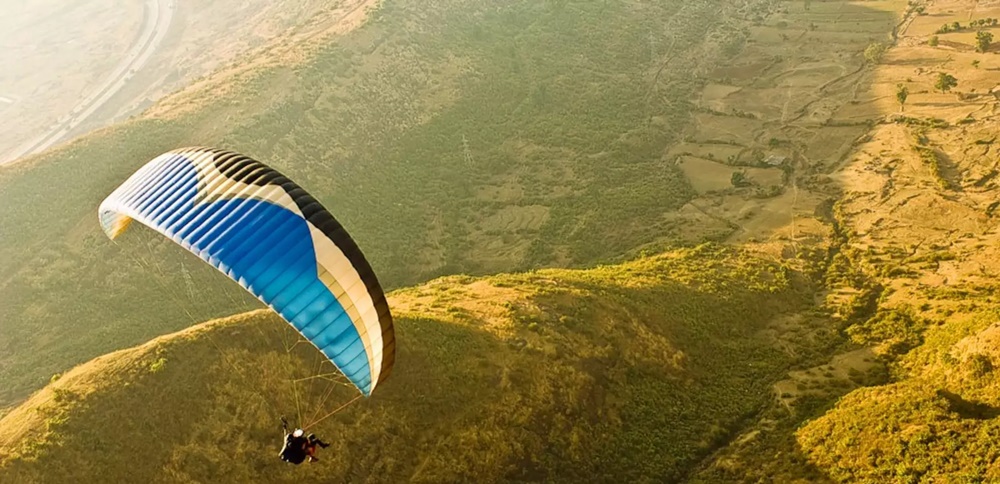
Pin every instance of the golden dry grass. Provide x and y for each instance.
(555, 375)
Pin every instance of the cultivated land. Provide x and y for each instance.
(488, 153)
(917, 256)
(919, 201)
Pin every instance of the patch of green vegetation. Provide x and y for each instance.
(945, 82)
(896, 330)
(935, 424)
(907, 432)
(933, 257)
(932, 159)
(983, 41)
(606, 374)
(922, 122)
(975, 24)
(874, 52)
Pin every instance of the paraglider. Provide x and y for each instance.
(274, 239)
(298, 447)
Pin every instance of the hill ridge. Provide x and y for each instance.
(497, 367)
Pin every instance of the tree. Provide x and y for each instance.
(874, 52)
(739, 179)
(933, 41)
(983, 40)
(901, 94)
(945, 82)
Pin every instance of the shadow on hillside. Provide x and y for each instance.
(570, 379)
(967, 408)
(840, 104)
(949, 170)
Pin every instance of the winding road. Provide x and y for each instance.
(156, 22)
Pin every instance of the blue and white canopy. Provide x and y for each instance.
(265, 232)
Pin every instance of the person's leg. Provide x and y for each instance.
(315, 441)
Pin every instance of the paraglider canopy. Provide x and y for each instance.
(274, 239)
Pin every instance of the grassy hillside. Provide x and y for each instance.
(453, 137)
(448, 136)
(937, 425)
(619, 373)
(917, 251)
(930, 246)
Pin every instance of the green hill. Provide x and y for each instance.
(448, 136)
(632, 372)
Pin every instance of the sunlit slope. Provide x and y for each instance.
(938, 424)
(919, 245)
(922, 225)
(620, 373)
(447, 136)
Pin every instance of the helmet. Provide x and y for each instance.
(298, 433)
